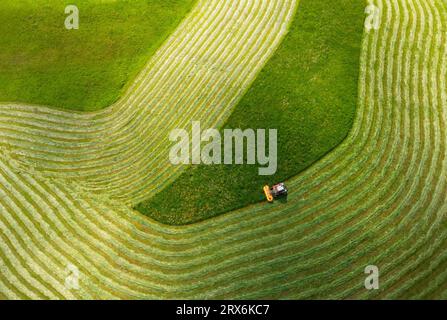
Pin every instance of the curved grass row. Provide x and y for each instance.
(199, 74)
(380, 198)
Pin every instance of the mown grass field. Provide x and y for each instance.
(307, 91)
(68, 181)
(87, 69)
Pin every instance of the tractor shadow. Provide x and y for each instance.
(282, 200)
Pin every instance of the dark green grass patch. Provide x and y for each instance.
(87, 69)
(308, 91)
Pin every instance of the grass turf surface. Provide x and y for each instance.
(87, 69)
(308, 91)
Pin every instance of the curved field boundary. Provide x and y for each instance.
(199, 74)
(380, 198)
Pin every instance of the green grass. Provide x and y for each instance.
(308, 91)
(87, 69)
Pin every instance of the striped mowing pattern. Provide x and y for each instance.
(198, 75)
(380, 198)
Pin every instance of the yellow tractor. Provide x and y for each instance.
(277, 191)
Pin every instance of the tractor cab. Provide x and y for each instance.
(277, 191)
